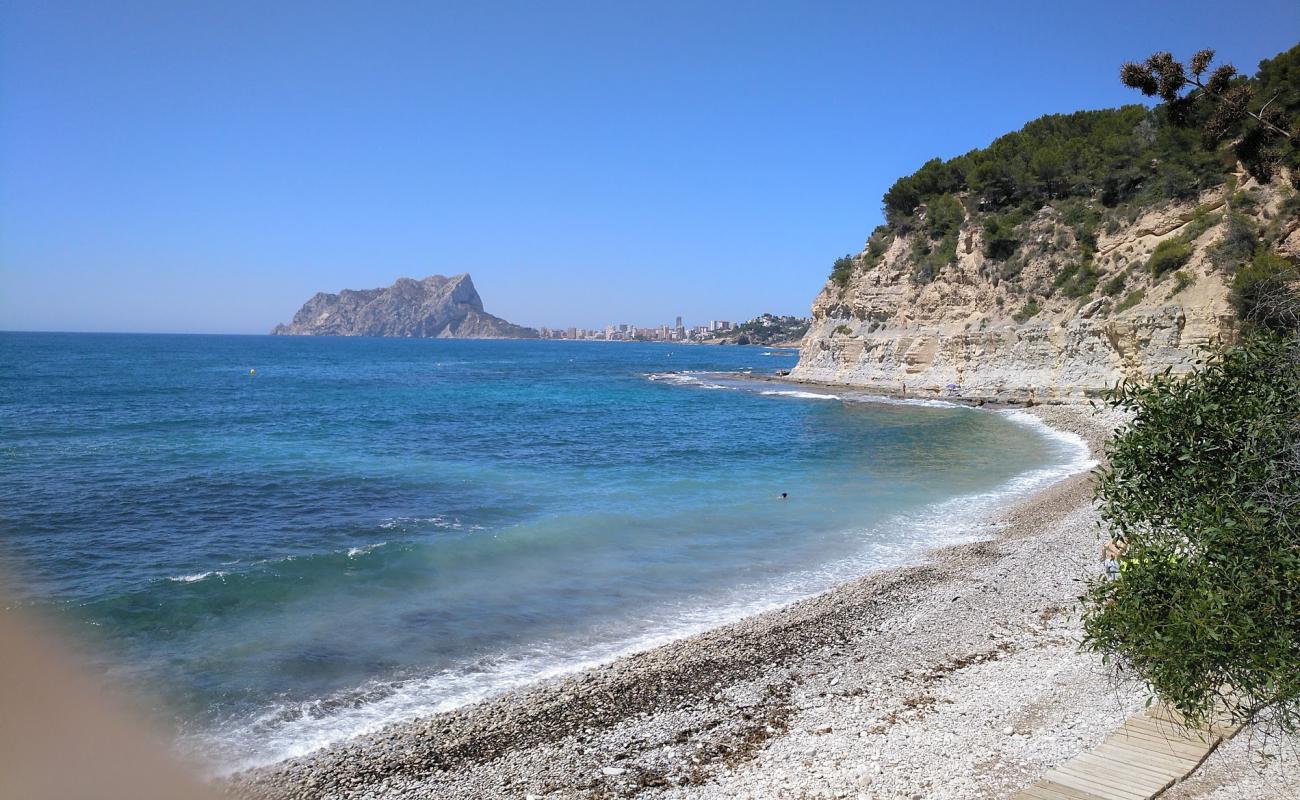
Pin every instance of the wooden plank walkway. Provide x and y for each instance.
(1146, 755)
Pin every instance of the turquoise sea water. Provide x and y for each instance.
(369, 529)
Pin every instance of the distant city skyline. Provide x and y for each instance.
(205, 167)
(629, 331)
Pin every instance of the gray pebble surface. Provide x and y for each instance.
(957, 678)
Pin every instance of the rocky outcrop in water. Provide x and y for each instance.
(437, 307)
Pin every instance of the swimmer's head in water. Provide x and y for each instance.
(783, 495)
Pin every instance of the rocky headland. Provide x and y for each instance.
(1037, 324)
(437, 307)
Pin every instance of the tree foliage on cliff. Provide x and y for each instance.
(1203, 488)
(1128, 154)
(1222, 104)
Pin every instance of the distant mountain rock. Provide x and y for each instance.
(437, 307)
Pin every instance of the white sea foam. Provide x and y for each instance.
(863, 397)
(799, 394)
(707, 380)
(293, 730)
(435, 521)
(353, 552)
(1082, 454)
(198, 576)
(686, 379)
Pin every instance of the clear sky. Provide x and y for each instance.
(185, 166)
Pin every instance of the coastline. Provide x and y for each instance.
(918, 395)
(924, 679)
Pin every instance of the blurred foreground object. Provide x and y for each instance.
(64, 735)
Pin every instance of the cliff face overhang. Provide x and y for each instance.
(959, 335)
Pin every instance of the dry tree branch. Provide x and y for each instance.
(1253, 114)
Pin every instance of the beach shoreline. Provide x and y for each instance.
(893, 681)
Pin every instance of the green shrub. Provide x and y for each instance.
(923, 268)
(1289, 208)
(1243, 200)
(1177, 182)
(842, 270)
(1131, 300)
(1001, 237)
(1169, 255)
(1083, 220)
(944, 216)
(1238, 242)
(1202, 487)
(946, 251)
(1115, 285)
(1077, 280)
(876, 247)
(1182, 280)
(1027, 311)
(1202, 220)
(843, 330)
(929, 258)
(1264, 292)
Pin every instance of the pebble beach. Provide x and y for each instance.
(959, 677)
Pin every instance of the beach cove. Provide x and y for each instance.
(369, 531)
(958, 677)
(885, 667)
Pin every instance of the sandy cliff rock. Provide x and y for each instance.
(436, 307)
(975, 329)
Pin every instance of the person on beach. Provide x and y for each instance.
(1111, 552)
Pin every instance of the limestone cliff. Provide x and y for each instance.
(1027, 326)
(436, 307)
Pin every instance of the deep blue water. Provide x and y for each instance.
(368, 529)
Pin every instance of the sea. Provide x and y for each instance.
(288, 541)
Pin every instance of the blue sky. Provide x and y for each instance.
(178, 166)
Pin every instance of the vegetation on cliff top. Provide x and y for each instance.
(1097, 168)
(1113, 155)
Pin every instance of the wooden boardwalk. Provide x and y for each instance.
(1146, 755)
